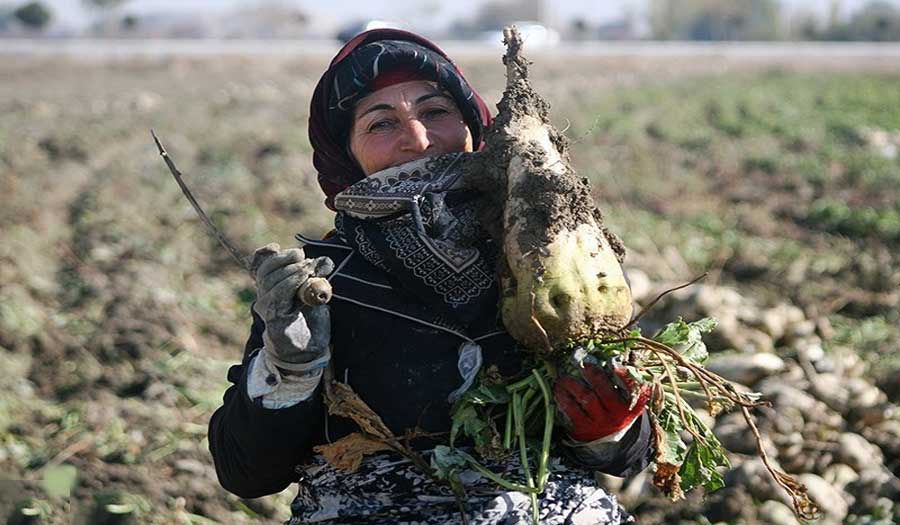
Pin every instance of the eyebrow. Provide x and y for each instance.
(419, 100)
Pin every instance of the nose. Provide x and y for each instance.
(415, 136)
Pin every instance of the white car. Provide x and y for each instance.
(534, 34)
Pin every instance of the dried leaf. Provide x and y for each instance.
(342, 401)
(667, 480)
(347, 453)
(657, 397)
(718, 406)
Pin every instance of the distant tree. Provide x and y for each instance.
(103, 4)
(505, 11)
(129, 22)
(805, 25)
(495, 14)
(271, 19)
(878, 20)
(714, 20)
(33, 15)
(580, 28)
(108, 19)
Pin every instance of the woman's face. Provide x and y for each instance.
(405, 122)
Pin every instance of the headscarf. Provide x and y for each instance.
(350, 77)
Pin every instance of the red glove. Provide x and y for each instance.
(594, 406)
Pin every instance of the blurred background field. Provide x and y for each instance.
(119, 315)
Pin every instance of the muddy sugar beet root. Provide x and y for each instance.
(560, 272)
(561, 277)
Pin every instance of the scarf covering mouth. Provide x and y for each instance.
(351, 76)
(418, 222)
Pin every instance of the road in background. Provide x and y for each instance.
(106, 49)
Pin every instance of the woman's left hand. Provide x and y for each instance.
(596, 405)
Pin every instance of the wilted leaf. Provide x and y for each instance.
(657, 397)
(342, 401)
(666, 476)
(717, 406)
(699, 468)
(698, 463)
(670, 447)
(446, 461)
(667, 481)
(705, 325)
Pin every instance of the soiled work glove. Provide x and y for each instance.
(596, 405)
(296, 337)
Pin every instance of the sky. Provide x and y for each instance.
(415, 13)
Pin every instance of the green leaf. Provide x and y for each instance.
(699, 467)
(487, 394)
(464, 414)
(687, 338)
(473, 424)
(59, 481)
(674, 333)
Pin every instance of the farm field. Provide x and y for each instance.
(119, 315)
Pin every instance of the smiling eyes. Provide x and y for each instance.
(385, 125)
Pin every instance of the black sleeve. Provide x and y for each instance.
(624, 458)
(255, 449)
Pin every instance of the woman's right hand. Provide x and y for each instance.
(296, 335)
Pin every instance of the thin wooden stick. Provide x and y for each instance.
(210, 226)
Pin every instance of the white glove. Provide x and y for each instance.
(297, 336)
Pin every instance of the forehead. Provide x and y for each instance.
(396, 93)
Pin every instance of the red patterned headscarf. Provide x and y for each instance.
(372, 60)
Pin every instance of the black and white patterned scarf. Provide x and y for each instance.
(419, 223)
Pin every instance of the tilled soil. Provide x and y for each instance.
(119, 316)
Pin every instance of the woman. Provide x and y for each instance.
(412, 320)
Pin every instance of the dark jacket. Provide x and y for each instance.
(396, 353)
